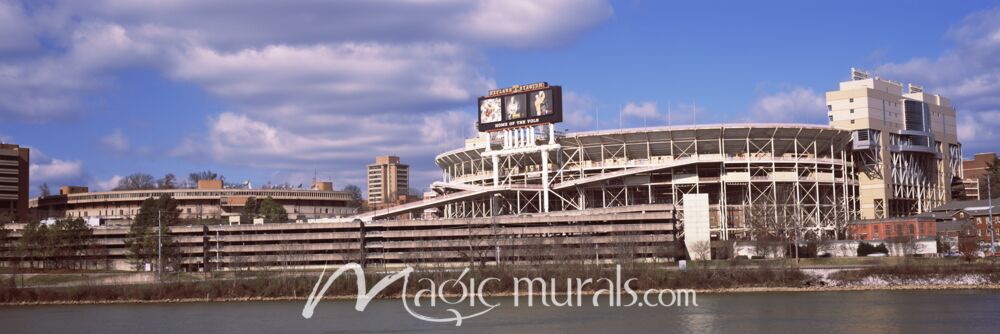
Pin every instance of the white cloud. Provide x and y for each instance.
(539, 23)
(312, 84)
(56, 170)
(106, 184)
(47, 86)
(799, 105)
(16, 30)
(116, 142)
(579, 111)
(227, 24)
(968, 73)
(640, 110)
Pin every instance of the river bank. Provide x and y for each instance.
(503, 295)
(702, 280)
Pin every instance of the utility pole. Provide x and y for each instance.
(797, 240)
(159, 246)
(989, 201)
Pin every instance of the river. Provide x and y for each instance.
(951, 311)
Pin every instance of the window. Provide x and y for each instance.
(852, 121)
(852, 100)
(876, 233)
(829, 107)
(852, 111)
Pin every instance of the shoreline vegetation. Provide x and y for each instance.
(501, 295)
(708, 277)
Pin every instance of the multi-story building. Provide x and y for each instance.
(14, 161)
(975, 171)
(895, 229)
(905, 144)
(210, 201)
(388, 179)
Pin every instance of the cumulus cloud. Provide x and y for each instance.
(106, 184)
(53, 171)
(48, 86)
(116, 142)
(640, 110)
(579, 111)
(237, 24)
(17, 32)
(307, 85)
(797, 105)
(56, 169)
(968, 73)
(310, 84)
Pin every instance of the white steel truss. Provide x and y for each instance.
(799, 173)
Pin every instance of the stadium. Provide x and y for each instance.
(579, 188)
(521, 192)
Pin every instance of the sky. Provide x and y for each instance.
(288, 91)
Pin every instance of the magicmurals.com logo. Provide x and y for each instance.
(572, 294)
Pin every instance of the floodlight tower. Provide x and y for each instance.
(515, 144)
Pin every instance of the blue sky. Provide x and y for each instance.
(278, 92)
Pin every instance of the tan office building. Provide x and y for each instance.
(975, 170)
(14, 162)
(905, 144)
(388, 179)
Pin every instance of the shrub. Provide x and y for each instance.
(865, 248)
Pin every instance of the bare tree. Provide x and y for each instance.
(701, 250)
(136, 181)
(968, 246)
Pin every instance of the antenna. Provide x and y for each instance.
(694, 111)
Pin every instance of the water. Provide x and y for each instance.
(955, 311)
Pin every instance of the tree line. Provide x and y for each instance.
(143, 181)
(65, 244)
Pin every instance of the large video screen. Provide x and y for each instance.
(521, 108)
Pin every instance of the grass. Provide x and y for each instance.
(722, 274)
(843, 262)
(53, 279)
(299, 285)
(902, 273)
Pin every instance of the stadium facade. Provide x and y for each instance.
(802, 172)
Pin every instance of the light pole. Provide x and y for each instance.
(989, 201)
(159, 246)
